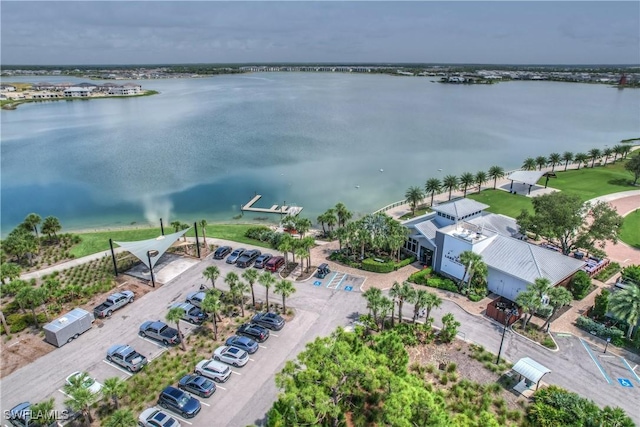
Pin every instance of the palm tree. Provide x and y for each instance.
(386, 307)
(114, 388)
(251, 276)
(46, 408)
(175, 314)
(431, 301)
(559, 296)
(432, 186)
(121, 418)
(530, 302)
(284, 288)
(473, 264)
(625, 305)
(402, 293)
(176, 226)
(567, 157)
(480, 178)
(450, 182)
(51, 225)
(414, 196)
(231, 279)
(529, 164)
(212, 273)
(607, 153)
(302, 253)
(541, 286)
(331, 218)
(31, 298)
(618, 150)
(267, 280)
(211, 304)
(495, 173)
(626, 149)
(303, 225)
(203, 225)
(343, 214)
(81, 399)
(580, 158)
(322, 218)
(467, 179)
(31, 222)
(419, 300)
(285, 246)
(554, 159)
(594, 153)
(541, 161)
(308, 243)
(373, 297)
(238, 290)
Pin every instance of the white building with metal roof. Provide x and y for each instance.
(438, 239)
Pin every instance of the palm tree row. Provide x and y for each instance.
(380, 306)
(580, 159)
(338, 215)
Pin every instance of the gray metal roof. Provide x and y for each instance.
(498, 223)
(530, 369)
(528, 262)
(460, 208)
(428, 229)
(528, 177)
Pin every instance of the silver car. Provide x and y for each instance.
(231, 355)
(192, 314)
(212, 369)
(153, 417)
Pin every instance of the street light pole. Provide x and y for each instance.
(607, 345)
(504, 331)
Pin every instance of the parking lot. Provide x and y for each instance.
(338, 280)
(242, 400)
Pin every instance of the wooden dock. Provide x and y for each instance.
(276, 209)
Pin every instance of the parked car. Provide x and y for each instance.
(231, 356)
(274, 264)
(213, 369)
(273, 321)
(231, 259)
(153, 417)
(222, 252)
(323, 270)
(197, 384)
(87, 382)
(112, 303)
(255, 332)
(127, 357)
(21, 416)
(192, 314)
(248, 258)
(261, 261)
(178, 401)
(243, 343)
(159, 331)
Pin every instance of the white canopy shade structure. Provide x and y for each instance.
(152, 249)
(531, 370)
(526, 177)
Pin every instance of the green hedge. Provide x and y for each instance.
(370, 264)
(608, 272)
(420, 277)
(600, 330)
(424, 277)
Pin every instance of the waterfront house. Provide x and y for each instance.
(438, 239)
(76, 92)
(7, 88)
(125, 89)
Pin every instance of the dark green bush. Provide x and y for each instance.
(259, 232)
(580, 285)
(370, 264)
(442, 283)
(405, 262)
(599, 329)
(420, 277)
(19, 322)
(601, 305)
(475, 297)
(607, 272)
(631, 274)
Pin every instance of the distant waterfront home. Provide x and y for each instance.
(125, 89)
(46, 95)
(438, 239)
(7, 88)
(43, 86)
(76, 92)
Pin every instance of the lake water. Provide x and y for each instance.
(203, 147)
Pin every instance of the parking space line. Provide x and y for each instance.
(332, 279)
(221, 388)
(273, 335)
(117, 367)
(177, 417)
(251, 359)
(152, 342)
(604, 374)
(629, 368)
(63, 393)
(237, 373)
(262, 346)
(202, 403)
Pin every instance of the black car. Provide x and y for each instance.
(262, 260)
(198, 385)
(269, 320)
(231, 259)
(248, 258)
(180, 402)
(255, 332)
(222, 252)
(244, 343)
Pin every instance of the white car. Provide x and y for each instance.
(153, 417)
(87, 382)
(231, 355)
(217, 371)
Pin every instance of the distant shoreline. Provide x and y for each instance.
(13, 104)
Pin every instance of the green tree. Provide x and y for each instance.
(9, 270)
(631, 274)
(286, 289)
(203, 226)
(432, 186)
(559, 296)
(231, 279)
(81, 399)
(530, 301)
(625, 305)
(114, 388)
(31, 298)
(302, 253)
(343, 214)
(323, 219)
(414, 196)
(212, 272)
(449, 328)
(424, 299)
(21, 244)
(554, 159)
(307, 244)
(432, 301)
(633, 166)
(373, 297)
(626, 149)
(51, 226)
(541, 161)
(303, 225)
(529, 164)
(594, 154)
(580, 284)
(331, 218)
(267, 280)
(31, 223)
(615, 417)
(286, 245)
(601, 304)
(176, 226)
(480, 178)
(607, 152)
(450, 182)
(466, 180)
(174, 315)
(251, 276)
(237, 290)
(45, 411)
(495, 173)
(473, 264)
(386, 308)
(121, 418)
(212, 305)
(581, 159)
(618, 150)
(567, 157)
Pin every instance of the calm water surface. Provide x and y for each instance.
(204, 146)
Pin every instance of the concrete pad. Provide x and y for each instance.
(523, 189)
(168, 268)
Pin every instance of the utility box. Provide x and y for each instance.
(68, 327)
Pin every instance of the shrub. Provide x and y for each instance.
(548, 342)
(631, 274)
(475, 297)
(420, 277)
(372, 265)
(601, 305)
(544, 311)
(405, 262)
(599, 329)
(442, 283)
(20, 322)
(608, 271)
(580, 285)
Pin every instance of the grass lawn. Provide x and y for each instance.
(99, 241)
(630, 232)
(501, 202)
(419, 212)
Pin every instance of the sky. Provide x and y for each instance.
(171, 32)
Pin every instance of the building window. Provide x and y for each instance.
(411, 245)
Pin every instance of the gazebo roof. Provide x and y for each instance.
(528, 177)
(530, 369)
(160, 244)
